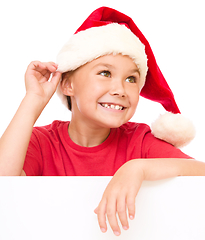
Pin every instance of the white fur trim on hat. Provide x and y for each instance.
(174, 129)
(87, 45)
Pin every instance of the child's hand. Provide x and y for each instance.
(37, 79)
(121, 191)
(119, 196)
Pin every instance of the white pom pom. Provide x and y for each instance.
(174, 129)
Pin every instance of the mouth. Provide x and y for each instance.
(112, 106)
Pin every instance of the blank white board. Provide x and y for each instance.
(62, 208)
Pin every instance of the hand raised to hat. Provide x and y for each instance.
(37, 79)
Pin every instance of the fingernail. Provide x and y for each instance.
(131, 217)
(103, 229)
(116, 233)
(125, 227)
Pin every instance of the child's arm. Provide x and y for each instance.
(14, 142)
(121, 192)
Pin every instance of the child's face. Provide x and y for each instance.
(105, 92)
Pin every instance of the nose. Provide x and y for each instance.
(118, 89)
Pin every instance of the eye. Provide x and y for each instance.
(131, 79)
(105, 74)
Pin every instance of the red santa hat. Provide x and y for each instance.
(108, 31)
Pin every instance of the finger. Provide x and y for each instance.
(54, 64)
(45, 76)
(56, 78)
(37, 66)
(121, 210)
(100, 210)
(50, 66)
(43, 67)
(96, 210)
(111, 216)
(130, 201)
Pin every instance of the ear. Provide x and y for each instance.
(66, 84)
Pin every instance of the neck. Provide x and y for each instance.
(87, 136)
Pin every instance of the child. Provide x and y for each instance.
(106, 65)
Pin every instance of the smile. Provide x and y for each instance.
(112, 106)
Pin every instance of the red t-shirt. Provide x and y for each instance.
(51, 152)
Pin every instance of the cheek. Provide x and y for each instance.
(134, 97)
(136, 100)
(133, 103)
(86, 98)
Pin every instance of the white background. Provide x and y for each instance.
(36, 30)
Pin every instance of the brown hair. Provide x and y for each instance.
(69, 102)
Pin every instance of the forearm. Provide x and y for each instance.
(14, 142)
(156, 169)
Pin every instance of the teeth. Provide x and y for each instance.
(117, 107)
(105, 105)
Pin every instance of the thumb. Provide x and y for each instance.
(56, 78)
(96, 210)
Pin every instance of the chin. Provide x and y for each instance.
(113, 124)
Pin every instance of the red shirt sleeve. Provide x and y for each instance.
(33, 160)
(155, 148)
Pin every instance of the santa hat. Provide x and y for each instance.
(108, 31)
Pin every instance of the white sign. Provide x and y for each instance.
(62, 208)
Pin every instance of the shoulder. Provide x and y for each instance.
(55, 125)
(50, 130)
(133, 131)
(132, 127)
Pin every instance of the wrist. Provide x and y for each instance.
(33, 105)
(35, 100)
(137, 168)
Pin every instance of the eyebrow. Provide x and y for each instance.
(135, 70)
(111, 66)
(103, 65)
